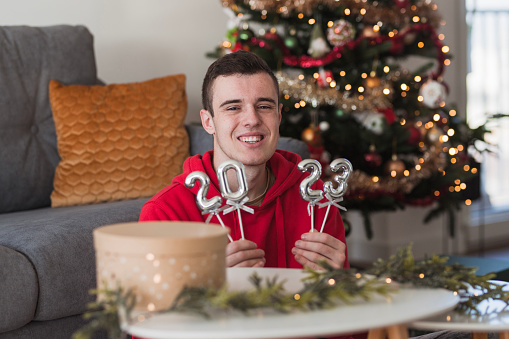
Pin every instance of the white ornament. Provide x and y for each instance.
(324, 126)
(372, 121)
(318, 48)
(340, 32)
(433, 93)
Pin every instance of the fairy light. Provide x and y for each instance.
(287, 96)
(331, 281)
(453, 160)
(421, 144)
(301, 77)
(453, 151)
(332, 84)
(296, 296)
(393, 174)
(444, 138)
(441, 37)
(342, 73)
(466, 168)
(417, 78)
(151, 307)
(460, 148)
(457, 189)
(388, 280)
(474, 170)
(420, 98)
(447, 62)
(361, 97)
(450, 132)
(452, 113)
(376, 28)
(347, 11)
(463, 186)
(302, 103)
(418, 167)
(300, 16)
(348, 87)
(448, 318)
(330, 24)
(360, 89)
(362, 11)
(421, 161)
(468, 202)
(445, 49)
(416, 19)
(413, 8)
(436, 193)
(436, 117)
(444, 120)
(358, 275)
(457, 181)
(375, 179)
(387, 69)
(386, 91)
(311, 21)
(421, 275)
(297, 105)
(403, 122)
(403, 94)
(418, 123)
(404, 87)
(364, 75)
(391, 34)
(150, 256)
(406, 173)
(420, 44)
(227, 44)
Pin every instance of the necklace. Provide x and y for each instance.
(266, 186)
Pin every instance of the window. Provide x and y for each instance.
(487, 95)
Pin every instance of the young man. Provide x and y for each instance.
(241, 110)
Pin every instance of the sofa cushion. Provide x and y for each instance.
(59, 245)
(120, 141)
(18, 287)
(32, 56)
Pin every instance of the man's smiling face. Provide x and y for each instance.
(246, 118)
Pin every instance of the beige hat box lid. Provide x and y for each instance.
(157, 259)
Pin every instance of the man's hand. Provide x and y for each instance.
(244, 253)
(315, 247)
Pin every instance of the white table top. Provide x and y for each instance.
(400, 308)
(492, 318)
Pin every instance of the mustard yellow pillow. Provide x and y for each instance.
(119, 141)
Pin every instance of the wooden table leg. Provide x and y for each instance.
(397, 332)
(479, 335)
(379, 333)
(503, 335)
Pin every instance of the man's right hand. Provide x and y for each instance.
(244, 253)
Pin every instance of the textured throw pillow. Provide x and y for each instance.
(119, 141)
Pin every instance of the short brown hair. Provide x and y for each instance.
(239, 62)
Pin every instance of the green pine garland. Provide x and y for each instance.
(322, 290)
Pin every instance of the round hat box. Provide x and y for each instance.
(157, 259)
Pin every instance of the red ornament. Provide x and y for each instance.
(388, 114)
(324, 78)
(415, 135)
(401, 3)
(372, 158)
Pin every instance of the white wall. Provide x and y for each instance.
(136, 40)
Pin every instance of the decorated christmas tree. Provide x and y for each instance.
(347, 94)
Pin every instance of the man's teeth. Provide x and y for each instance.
(251, 139)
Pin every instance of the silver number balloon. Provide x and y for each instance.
(201, 197)
(313, 166)
(241, 179)
(344, 167)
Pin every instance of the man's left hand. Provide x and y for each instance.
(315, 247)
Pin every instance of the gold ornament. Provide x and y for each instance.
(395, 167)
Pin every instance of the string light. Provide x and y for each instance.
(468, 202)
(348, 87)
(311, 21)
(342, 73)
(445, 49)
(362, 11)
(375, 179)
(296, 296)
(420, 44)
(347, 11)
(387, 69)
(452, 112)
(441, 37)
(331, 282)
(447, 62)
(386, 91)
(416, 19)
(360, 89)
(474, 170)
(436, 193)
(417, 78)
(466, 168)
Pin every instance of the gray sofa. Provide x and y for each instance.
(47, 261)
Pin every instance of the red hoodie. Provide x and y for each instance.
(275, 226)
